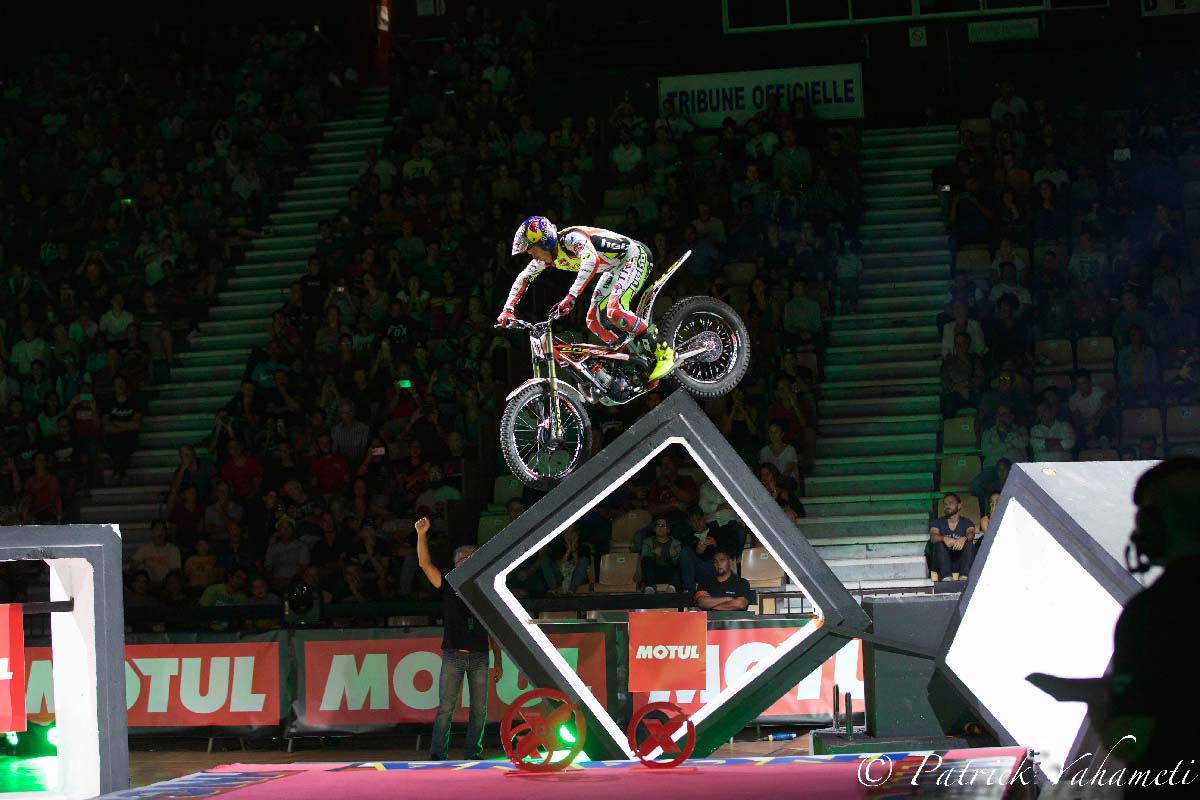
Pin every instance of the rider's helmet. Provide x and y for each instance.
(535, 232)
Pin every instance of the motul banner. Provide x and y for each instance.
(667, 650)
(734, 651)
(384, 681)
(12, 676)
(224, 684)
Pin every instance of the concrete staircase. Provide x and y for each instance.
(207, 374)
(871, 494)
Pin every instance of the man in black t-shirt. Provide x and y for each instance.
(726, 591)
(465, 645)
(953, 538)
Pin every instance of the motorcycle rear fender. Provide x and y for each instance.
(646, 303)
(564, 387)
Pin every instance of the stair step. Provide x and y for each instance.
(907, 258)
(923, 272)
(907, 189)
(834, 485)
(922, 368)
(209, 372)
(338, 157)
(885, 406)
(339, 146)
(345, 169)
(343, 124)
(197, 404)
(833, 427)
(333, 194)
(863, 525)
(903, 229)
(357, 132)
(281, 254)
(318, 180)
(174, 438)
(871, 503)
(882, 216)
(903, 547)
(295, 228)
(881, 387)
(274, 297)
(909, 136)
(877, 445)
(290, 242)
(134, 492)
(242, 342)
(880, 319)
(279, 281)
(901, 242)
(295, 266)
(120, 513)
(924, 201)
(924, 161)
(897, 463)
(933, 301)
(872, 354)
(896, 176)
(160, 457)
(894, 568)
(876, 133)
(328, 206)
(872, 151)
(199, 390)
(901, 288)
(214, 357)
(898, 586)
(222, 327)
(165, 423)
(317, 215)
(863, 337)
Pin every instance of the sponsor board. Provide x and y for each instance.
(667, 650)
(833, 91)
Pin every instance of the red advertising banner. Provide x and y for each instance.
(733, 652)
(12, 675)
(667, 650)
(181, 685)
(388, 681)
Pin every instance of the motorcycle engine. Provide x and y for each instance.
(619, 389)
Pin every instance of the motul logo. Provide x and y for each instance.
(668, 652)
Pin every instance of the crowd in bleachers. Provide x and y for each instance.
(376, 398)
(133, 171)
(1069, 330)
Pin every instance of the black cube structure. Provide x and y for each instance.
(481, 580)
(88, 651)
(1045, 592)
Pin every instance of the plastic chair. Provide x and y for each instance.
(626, 526)
(1183, 424)
(1137, 422)
(958, 434)
(619, 572)
(958, 471)
(1095, 353)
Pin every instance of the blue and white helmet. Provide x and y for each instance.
(535, 232)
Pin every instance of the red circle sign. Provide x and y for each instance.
(659, 735)
(536, 734)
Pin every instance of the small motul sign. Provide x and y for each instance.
(12, 669)
(667, 651)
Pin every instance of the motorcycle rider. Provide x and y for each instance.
(622, 265)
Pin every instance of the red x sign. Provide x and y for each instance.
(660, 730)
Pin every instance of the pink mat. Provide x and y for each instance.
(988, 770)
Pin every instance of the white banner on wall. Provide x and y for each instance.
(833, 92)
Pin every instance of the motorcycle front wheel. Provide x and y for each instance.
(535, 455)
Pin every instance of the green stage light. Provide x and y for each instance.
(559, 755)
(13, 739)
(565, 734)
(52, 736)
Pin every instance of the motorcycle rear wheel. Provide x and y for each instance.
(524, 434)
(706, 377)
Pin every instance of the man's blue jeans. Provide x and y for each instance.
(454, 666)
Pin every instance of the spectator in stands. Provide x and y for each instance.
(962, 377)
(661, 554)
(1137, 371)
(1009, 285)
(286, 555)
(951, 536)
(724, 591)
(1006, 439)
(156, 557)
(700, 544)
(962, 323)
(229, 593)
(1051, 439)
(1009, 103)
(672, 493)
(802, 324)
(1091, 410)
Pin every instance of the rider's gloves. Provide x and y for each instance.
(563, 307)
(506, 318)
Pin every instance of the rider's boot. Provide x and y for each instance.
(652, 345)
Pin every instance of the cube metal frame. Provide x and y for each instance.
(481, 579)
